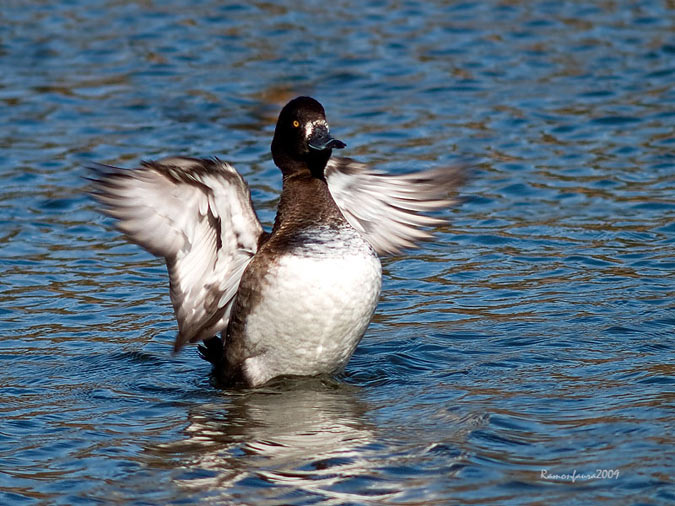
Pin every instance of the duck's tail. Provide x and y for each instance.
(212, 351)
(223, 376)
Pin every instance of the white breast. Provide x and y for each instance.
(313, 310)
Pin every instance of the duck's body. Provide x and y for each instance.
(308, 295)
(298, 300)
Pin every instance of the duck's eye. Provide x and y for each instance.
(296, 123)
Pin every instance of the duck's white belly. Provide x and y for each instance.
(311, 313)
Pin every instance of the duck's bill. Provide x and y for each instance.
(321, 140)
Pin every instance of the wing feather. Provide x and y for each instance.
(198, 215)
(389, 209)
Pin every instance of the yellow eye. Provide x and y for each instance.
(296, 123)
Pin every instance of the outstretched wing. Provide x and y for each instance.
(198, 215)
(389, 210)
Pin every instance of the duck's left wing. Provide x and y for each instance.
(390, 210)
(198, 215)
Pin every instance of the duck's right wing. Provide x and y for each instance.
(198, 215)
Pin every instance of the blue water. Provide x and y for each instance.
(525, 348)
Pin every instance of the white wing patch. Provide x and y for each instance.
(198, 215)
(389, 209)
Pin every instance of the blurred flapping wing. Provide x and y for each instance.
(198, 215)
(389, 210)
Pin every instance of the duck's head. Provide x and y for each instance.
(302, 140)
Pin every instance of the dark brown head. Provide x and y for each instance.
(302, 140)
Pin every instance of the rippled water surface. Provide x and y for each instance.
(531, 341)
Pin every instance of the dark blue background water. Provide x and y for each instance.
(535, 333)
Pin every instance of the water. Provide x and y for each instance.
(533, 339)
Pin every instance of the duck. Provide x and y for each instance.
(292, 301)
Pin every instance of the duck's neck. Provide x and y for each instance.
(306, 201)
